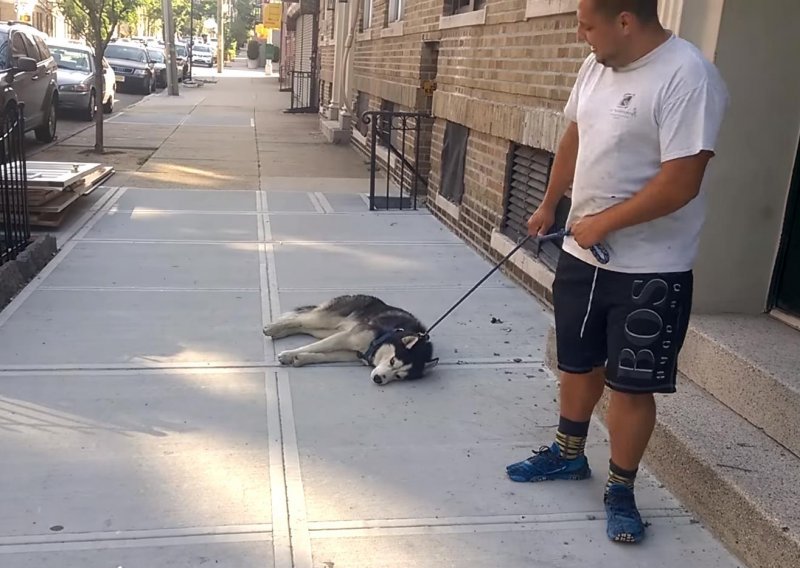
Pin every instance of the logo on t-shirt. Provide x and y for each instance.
(624, 108)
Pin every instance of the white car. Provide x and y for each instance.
(75, 77)
(202, 55)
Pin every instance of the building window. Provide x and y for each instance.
(463, 6)
(366, 14)
(395, 10)
(454, 157)
(527, 175)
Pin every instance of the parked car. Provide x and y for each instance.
(132, 66)
(202, 55)
(76, 69)
(159, 65)
(28, 75)
(182, 60)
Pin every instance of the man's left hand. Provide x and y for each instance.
(589, 230)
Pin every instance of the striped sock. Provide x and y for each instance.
(617, 475)
(571, 438)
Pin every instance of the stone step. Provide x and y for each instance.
(737, 480)
(752, 365)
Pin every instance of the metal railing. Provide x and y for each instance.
(15, 232)
(285, 78)
(399, 134)
(303, 91)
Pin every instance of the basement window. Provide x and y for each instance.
(527, 175)
(454, 157)
(463, 6)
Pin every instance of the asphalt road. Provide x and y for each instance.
(70, 123)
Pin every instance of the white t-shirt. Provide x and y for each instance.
(668, 104)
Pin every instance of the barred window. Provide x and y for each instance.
(527, 175)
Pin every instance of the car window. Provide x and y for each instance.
(72, 59)
(156, 55)
(180, 50)
(125, 52)
(4, 54)
(44, 52)
(17, 47)
(30, 47)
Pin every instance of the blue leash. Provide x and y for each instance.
(599, 251)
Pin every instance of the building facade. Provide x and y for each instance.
(494, 76)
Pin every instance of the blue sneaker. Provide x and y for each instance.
(624, 522)
(547, 464)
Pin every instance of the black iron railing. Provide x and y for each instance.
(303, 91)
(16, 230)
(399, 135)
(284, 78)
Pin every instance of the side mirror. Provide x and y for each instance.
(26, 64)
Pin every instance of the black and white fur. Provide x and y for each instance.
(347, 326)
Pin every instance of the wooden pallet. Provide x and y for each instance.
(48, 207)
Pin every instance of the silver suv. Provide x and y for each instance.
(28, 75)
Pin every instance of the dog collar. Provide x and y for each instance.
(375, 345)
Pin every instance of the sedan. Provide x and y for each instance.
(75, 76)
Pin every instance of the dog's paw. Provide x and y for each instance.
(287, 358)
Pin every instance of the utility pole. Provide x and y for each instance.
(220, 38)
(169, 39)
(191, 36)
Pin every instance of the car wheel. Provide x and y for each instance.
(47, 131)
(146, 86)
(90, 110)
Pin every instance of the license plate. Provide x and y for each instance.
(120, 78)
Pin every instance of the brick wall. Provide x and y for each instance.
(506, 80)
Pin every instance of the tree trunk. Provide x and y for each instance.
(99, 80)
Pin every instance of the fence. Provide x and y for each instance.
(303, 92)
(16, 230)
(395, 142)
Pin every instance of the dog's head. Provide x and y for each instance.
(404, 357)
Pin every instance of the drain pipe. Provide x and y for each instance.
(348, 44)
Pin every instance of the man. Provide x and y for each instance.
(644, 116)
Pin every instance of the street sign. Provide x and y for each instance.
(271, 15)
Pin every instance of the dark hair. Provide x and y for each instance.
(645, 10)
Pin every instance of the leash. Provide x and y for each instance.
(599, 251)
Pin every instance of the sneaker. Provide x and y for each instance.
(547, 464)
(624, 522)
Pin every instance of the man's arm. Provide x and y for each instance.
(561, 175)
(676, 184)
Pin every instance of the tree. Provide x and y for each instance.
(97, 20)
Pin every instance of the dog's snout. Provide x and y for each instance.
(377, 379)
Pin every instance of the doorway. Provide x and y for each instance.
(787, 283)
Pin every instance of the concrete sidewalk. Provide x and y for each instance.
(146, 423)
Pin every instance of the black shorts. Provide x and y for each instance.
(633, 324)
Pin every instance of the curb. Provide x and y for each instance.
(15, 274)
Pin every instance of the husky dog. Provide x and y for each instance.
(358, 327)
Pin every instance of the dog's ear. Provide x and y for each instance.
(410, 340)
(432, 363)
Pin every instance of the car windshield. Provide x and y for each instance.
(156, 55)
(180, 50)
(125, 52)
(202, 48)
(71, 59)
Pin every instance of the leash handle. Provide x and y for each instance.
(599, 251)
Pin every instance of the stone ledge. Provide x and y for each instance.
(737, 480)
(16, 274)
(750, 364)
(333, 132)
(539, 8)
(474, 18)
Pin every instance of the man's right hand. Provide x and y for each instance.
(541, 221)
